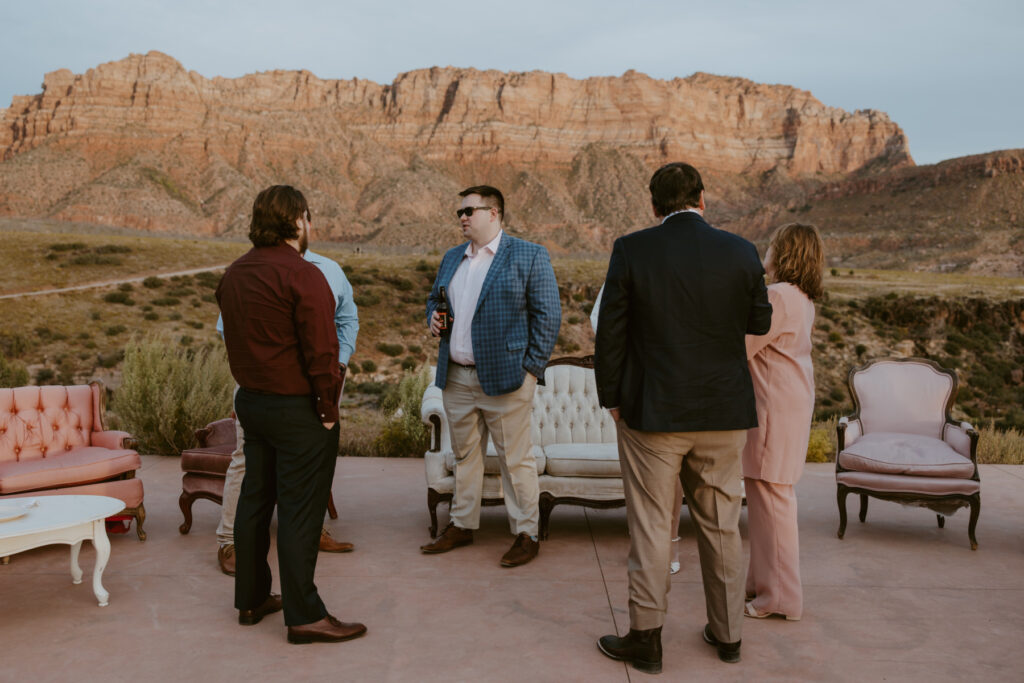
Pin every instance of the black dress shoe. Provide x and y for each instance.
(642, 649)
(727, 652)
(248, 617)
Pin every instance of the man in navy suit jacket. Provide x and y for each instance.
(671, 366)
(502, 295)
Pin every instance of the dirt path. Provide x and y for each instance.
(108, 283)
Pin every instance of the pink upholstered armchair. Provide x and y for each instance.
(53, 442)
(902, 445)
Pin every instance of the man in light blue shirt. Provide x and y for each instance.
(346, 320)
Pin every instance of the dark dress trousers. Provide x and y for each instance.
(283, 350)
(679, 299)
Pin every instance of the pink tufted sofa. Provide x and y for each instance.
(53, 442)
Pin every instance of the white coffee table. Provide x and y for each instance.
(64, 519)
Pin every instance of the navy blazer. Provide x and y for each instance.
(679, 299)
(517, 317)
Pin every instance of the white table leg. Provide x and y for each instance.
(102, 545)
(76, 569)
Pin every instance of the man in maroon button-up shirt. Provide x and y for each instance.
(282, 346)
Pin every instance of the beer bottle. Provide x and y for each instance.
(444, 314)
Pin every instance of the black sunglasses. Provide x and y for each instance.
(468, 211)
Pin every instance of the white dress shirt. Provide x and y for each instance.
(464, 293)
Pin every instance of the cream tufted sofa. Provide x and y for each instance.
(574, 442)
(53, 442)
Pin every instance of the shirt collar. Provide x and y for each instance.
(491, 246)
(676, 213)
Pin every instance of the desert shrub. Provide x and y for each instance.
(398, 282)
(115, 330)
(835, 337)
(821, 444)
(174, 315)
(355, 280)
(390, 349)
(92, 260)
(67, 246)
(196, 303)
(180, 291)
(835, 272)
(66, 372)
(195, 324)
(126, 287)
(860, 349)
(999, 446)
(369, 366)
(109, 360)
(837, 394)
(574, 320)
(209, 298)
(166, 301)
(168, 391)
(186, 340)
(353, 369)
(112, 249)
(952, 348)
(424, 267)
(409, 363)
(371, 388)
(95, 315)
(404, 434)
(118, 297)
(13, 344)
(45, 375)
(152, 282)
(414, 348)
(12, 373)
(208, 279)
(366, 299)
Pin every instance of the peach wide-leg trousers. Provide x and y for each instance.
(774, 573)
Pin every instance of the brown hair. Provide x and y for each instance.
(493, 194)
(798, 257)
(675, 187)
(274, 214)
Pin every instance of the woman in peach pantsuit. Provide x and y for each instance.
(773, 460)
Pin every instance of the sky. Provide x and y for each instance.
(951, 74)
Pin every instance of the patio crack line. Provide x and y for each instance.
(604, 582)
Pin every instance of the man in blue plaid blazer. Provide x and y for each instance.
(503, 298)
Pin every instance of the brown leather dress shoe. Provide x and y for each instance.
(327, 630)
(249, 617)
(451, 538)
(226, 558)
(329, 545)
(522, 551)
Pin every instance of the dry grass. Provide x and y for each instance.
(864, 283)
(999, 447)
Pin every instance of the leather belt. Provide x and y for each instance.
(460, 364)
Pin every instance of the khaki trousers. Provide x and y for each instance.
(774, 573)
(472, 415)
(708, 464)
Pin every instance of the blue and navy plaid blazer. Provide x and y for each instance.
(517, 317)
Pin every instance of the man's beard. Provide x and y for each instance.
(303, 241)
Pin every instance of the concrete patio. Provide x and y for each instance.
(898, 599)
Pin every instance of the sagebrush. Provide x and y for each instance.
(168, 391)
(404, 434)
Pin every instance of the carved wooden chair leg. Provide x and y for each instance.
(140, 518)
(941, 520)
(863, 507)
(547, 504)
(185, 503)
(975, 511)
(841, 493)
(433, 498)
(332, 511)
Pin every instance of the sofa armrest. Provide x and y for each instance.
(433, 415)
(114, 440)
(433, 467)
(847, 433)
(962, 438)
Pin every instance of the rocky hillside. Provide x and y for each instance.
(144, 143)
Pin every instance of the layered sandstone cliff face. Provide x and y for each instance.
(144, 143)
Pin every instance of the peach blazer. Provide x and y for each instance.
(780, 365)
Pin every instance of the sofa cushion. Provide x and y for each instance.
(77, 466)
(213, 461)
(128, 491)
(908, 454)
(587, 488)
(582, 460)
(928, 486)
(491, 465)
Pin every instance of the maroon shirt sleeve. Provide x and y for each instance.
(318, 338)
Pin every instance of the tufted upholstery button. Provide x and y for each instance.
(68, 447)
